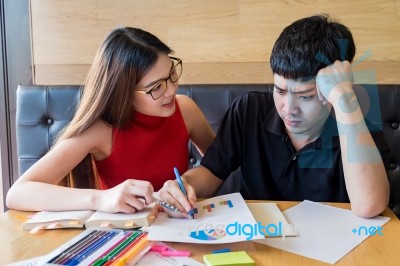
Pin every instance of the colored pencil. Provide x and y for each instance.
(117, 248)
(132, 245)
(91, 248)
(62, 255)
(73, 253)
(138, 250)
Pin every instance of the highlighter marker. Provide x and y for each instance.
(178, 178)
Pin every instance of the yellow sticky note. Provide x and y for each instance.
(238, 258)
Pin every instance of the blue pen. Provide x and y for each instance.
(178, 178)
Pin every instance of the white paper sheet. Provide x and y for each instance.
(222, 219)
(324, 232)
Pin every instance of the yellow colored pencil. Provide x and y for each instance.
(140, 249)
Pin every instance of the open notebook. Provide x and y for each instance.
(89, 218)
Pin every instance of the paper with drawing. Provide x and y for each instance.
(222, 219)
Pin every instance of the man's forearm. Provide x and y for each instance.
(366, 180)
(203, 180)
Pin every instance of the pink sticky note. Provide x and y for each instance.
(180, 253)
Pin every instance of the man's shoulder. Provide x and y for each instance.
(256, 94)
(255, 99)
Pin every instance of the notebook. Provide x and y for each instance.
(89, 218)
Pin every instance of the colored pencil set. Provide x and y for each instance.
(100, 247)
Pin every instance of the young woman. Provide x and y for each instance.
(128, 133)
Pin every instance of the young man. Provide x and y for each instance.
(289, 144)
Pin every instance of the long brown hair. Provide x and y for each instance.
(120, 63)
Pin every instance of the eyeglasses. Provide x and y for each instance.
(160, 87)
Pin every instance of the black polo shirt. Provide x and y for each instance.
(252, 136)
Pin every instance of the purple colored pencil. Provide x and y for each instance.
(90, 249)
(57, 259)
(72, 253)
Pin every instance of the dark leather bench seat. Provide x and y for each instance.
(42, 111)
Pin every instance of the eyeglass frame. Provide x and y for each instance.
(173, 67)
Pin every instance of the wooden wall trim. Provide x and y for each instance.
(387, 72)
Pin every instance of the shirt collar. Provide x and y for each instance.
(328, 139)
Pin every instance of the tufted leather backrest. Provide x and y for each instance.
(42, 111)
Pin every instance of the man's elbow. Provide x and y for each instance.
(368, 210)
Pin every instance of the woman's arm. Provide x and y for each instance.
(37, 188)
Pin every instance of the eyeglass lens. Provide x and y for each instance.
(160, 88)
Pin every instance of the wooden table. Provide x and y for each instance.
(17, 244)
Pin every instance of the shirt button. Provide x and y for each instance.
(294, 158)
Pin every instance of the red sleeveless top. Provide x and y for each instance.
(148, 149)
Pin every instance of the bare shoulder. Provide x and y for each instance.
(186, 104)
(194, 118)
(196, 123)
(98, 128)
(99, 135)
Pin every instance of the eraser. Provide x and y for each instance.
(158, 248)
(221, 250)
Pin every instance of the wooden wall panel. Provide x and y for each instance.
(215, 38)
(64, 32)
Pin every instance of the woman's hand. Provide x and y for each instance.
(128, 197)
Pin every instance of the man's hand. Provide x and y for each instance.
(335, 81)
(172, 194)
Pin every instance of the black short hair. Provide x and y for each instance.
(310, 44)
